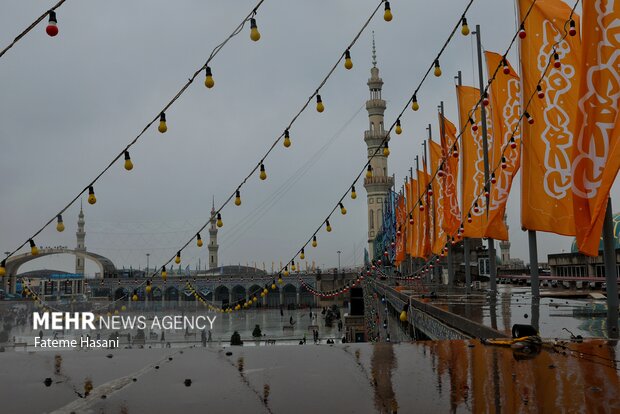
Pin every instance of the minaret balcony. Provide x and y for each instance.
(375, 104)
(378, 183)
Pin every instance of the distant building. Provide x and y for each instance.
(575, 264)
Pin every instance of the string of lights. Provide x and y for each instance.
(367, 168)
(162, 128)
(285, 136)
(398, 127)
(51, 29)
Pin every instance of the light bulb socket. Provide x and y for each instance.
(59, 217)
(52, 16)
(252, 23)
(198, 236)
(31, 243)
(347, 54)
(127, 157)
(318, 99)
(91, 190)
(208, 71)
(387, 5)
(262, 167)
(162, 117)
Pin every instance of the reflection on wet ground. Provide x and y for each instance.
(554, 317)
(421, 377)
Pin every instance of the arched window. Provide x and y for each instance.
(372, 219)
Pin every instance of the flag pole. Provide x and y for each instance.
(485, 150)
(609, 257)
(450, 251)
(466, 248)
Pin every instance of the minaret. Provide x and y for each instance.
(505, 248)
(379, 185)
(213, 246)
(81, 246)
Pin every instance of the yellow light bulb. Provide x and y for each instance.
(34, 250)
(464, 27)
(287, 139)
(164, 274)
(414, 104)
(116, 312)
(369, 172)
(128, 163)
(198, 240)
(314, 243)
(60, 226)
(343, 210)
(262, 294)
(265, 291)
(177, 259)
(148, 288)
(123, 308)
(353, 193)
(254, 299)
(319, 104)
(302, 256)
(286, 272)
(91, 195)
(403, 316)
(219, 223)
(387, 16)
(209, 82)
(348, 63)
(398, 129)
(386, 150)
(273, 286)
(3, 268)
(162, 123)
(238, 198)
(328, 227)
(280, 281)
(263, 173)
(437, 71)
(254, 33)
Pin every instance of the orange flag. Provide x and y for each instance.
(400, 229)
(439, 236)
(505, 97)
(546, 194)
(423, 224)
(596, 149)
(450, 146)
(417, 218)
(473, 185)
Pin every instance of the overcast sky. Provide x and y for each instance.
(71, 103)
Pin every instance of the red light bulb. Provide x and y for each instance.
(52, 24)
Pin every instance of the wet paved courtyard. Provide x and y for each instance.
(421, 377)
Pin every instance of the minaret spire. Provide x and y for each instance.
(213, 246)
(374, 51)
